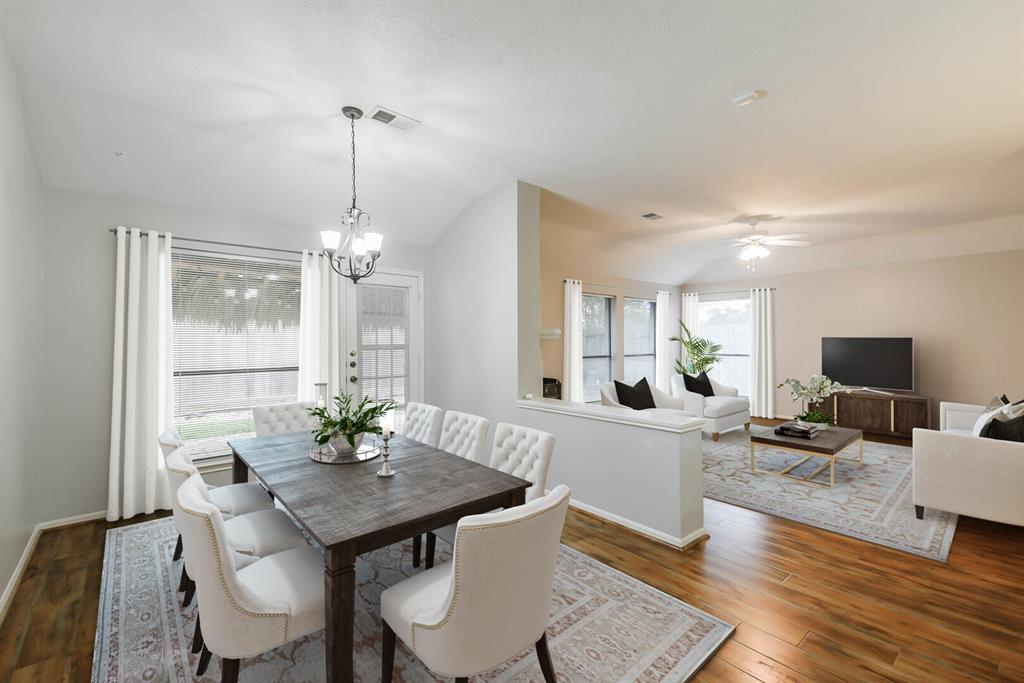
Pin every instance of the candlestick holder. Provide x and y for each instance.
(385, 469)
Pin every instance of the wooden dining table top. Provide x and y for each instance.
(350, 504)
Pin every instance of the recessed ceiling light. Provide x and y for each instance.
(748, 98)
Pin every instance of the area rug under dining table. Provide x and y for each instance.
(871, 500)
(605, 626)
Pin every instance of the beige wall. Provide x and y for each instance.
(965, 313)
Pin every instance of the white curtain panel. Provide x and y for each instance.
(762, 353)
(143, 389)
(663, 360)
(320, 327)
(689, 313)
(572, 340)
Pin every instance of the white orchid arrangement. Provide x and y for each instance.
(817, 389)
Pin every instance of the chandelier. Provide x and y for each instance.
(356, 258)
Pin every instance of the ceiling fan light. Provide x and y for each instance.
(753, 252)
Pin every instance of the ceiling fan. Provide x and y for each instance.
(755, 245)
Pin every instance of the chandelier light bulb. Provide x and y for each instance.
(330, 239)
(359, 246)
(374, 241)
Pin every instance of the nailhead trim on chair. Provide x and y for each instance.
(458, 566)
(223, 582)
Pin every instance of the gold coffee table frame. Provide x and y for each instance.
(774, 443)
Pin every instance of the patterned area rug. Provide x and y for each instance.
(605, 626)
(870, 500)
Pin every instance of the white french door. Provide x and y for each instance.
(384, 338)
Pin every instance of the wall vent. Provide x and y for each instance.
(393, 118)
(652, 216)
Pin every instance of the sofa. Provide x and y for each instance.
(664, 403)
(725, 410)
(957, 471)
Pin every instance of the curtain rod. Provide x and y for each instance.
(224, 244)
(735, 291)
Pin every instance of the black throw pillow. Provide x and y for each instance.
(637, 397)
(1011, 430)
(699, 384)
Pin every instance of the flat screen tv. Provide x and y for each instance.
(875, 362)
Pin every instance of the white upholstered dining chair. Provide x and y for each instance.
(422, 422)
(490, 603)
(233, 499)
(463, 434)
(283, 418)
(249, 610)
(251, 535)
(523, 452)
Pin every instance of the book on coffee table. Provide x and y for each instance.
(798, 430)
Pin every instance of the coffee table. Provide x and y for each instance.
(826, 445)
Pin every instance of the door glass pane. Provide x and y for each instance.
(597, 345)
(383, 357)
(638, 342)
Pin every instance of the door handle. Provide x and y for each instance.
(353, 379)
(352, 364)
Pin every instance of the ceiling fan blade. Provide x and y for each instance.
(790, 236)
(786, 243)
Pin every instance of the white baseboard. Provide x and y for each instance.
(661, 536)
(19, 569)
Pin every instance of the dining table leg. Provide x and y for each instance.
(239, 471)
(339, 612)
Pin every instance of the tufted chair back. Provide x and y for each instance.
(169, 441)
(283, 418)
(523, 452)
(463, 434)
(236, 621)
(422, 422)
(179, 470)
(495, 607)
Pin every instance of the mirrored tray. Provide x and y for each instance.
(362, 454)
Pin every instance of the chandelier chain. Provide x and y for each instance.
(352, 122)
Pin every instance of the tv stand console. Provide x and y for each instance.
(876, 413)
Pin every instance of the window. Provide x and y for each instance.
(236, 344)
(725, 319)
(638, 340)
(597, 345)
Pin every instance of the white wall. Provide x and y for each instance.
(79, 319)
(21, 297)
(472, 316)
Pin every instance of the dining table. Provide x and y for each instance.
(348, 510)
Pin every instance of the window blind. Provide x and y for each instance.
(384, 342)
(236, 343)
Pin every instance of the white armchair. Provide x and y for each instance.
(520, 451)
(490, 603)
(246, 611)
(725, 410)
(955, 470)
(283, 418)
(422, 422)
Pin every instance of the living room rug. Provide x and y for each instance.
(871, 501)
(605, 626)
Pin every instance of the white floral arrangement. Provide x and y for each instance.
(817, 389)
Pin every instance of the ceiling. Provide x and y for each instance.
(878, 118)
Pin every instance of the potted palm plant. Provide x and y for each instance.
(345, 428)
(700, 354)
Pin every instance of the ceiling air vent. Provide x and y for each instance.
(652, 216)
(393, 118)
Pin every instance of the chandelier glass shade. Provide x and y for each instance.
(353, 252)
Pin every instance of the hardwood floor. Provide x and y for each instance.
(809, 605)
